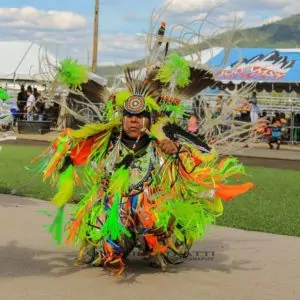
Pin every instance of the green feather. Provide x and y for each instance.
(232, 164)
(121, 98)
(178, 111)
(190, 216)
(65, 187)
(119, 182)
(112, 227)
(56, 228)
(176, 68)
(4, 95)
(72, 74)
(151, 105)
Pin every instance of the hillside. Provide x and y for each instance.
(281, 34)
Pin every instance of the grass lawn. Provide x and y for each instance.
(273, 207)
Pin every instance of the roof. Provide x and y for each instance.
(267, 65)
(24, 60)
(98, 79)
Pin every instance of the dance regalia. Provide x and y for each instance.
(136, 195)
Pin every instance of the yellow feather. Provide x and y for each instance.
(121, 97)
(94, 128)
(151, 104)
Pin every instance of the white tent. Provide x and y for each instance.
(24, 60)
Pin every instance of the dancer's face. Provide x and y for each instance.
(133, 125)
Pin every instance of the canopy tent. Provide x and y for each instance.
(28, 61)
(271, 69)
(24, 60)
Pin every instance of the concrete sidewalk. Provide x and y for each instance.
(282, 154)
(245, 266)
(48, 137)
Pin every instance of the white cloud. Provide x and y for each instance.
(30, 17)
(121, 43)
(191, 8)
(53, 27)
(292, 8)
(281, 8)
(271, 20)
(277, 3)
(107, 63)
(179, 6)
(237, 16)
(64, 32)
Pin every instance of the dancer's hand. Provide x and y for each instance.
(168, 146)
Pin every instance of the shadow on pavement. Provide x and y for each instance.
(18, 262)
(206, 257)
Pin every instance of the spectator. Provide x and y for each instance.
(40, 107)
(227, 112)
(244, 110)
(35, 93)
(199, 110)
(255, 110)
(219, 105)
(30, 105)
(253, 99)
(262, 127)
(284, 126)
(21, 101)
(192, 124)
(276, 134)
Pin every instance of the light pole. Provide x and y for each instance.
(95, 43)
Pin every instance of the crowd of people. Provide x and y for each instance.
(30, 103)
(246, 110)
(273, 128)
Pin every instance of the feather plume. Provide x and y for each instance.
(175, 71)
(4, 95)
(65, 187)
(72, 74)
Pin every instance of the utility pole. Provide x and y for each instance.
(88, 56)
(95, 45)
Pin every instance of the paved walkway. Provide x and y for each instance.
(245, 266)
(48, 137)
(262, 152)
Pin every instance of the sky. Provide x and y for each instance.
(65, 27)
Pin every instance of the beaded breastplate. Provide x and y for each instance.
(140, 170)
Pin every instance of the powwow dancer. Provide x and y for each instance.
(149, 183)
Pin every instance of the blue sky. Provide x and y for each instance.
(114, 15)
(69, 29)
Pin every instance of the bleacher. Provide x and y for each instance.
(290, 105)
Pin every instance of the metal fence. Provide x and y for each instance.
(289, 105)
